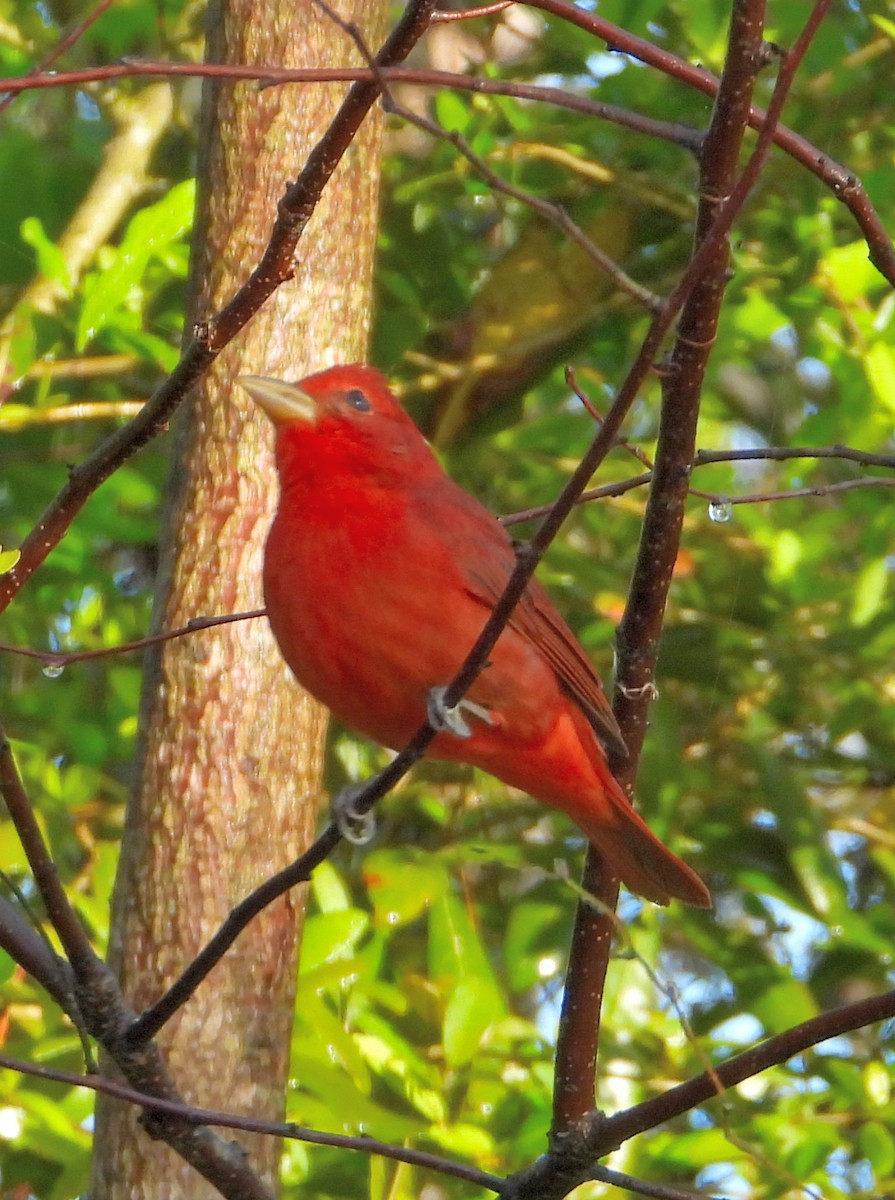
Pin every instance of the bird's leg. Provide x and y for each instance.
(451, 720)
(355, 827)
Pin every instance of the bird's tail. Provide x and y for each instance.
(641, 861)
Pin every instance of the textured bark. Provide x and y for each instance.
(230, 763)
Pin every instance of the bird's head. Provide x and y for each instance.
(344, 420)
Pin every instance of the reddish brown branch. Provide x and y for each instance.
(641, 624)
(843, 183)
(46, 877)
(610, 1132)
(554, 1175)
(188, 1113)
(65, 43)
(26, 947)
(682, 135)
(782, 453)
(467, 14)
(52, 658)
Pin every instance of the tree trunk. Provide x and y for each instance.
(230, 763)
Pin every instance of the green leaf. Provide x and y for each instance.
(402, 890)
(8, 559)
(879, 363)
(7, 967)
(455, 947)
(878, 1083)
(464, 1141)
(472, 1008)
(876, 1144)
(331, 936)
(108, 290)
(452, 111)
(50, 259)
(328, 890)
(869, 591)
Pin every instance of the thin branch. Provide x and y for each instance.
(598, 493)
(611, 1132)
(554, 213)
(842, 182)
(822, 489)
(681, 135)
(782, 453)
(60, 913)
(656, 1191)
(26, 947)
(708, 457)
(467, 14)
(639, 630)
(65, 43)
(188, 1113)
(52, 658)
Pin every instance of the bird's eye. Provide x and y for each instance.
(358, 400)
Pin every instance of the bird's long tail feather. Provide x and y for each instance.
(640, 860)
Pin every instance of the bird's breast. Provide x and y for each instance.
(371, 612)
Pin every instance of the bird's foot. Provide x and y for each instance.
(355, 826)
(451, 720)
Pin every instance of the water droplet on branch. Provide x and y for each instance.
(721, 511)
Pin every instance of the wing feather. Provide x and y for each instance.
(538, 620)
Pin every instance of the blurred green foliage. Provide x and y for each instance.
(432, 964)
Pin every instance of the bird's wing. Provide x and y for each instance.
(537, 619)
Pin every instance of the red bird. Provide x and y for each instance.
(380, 573)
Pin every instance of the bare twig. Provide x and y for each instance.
(26, 947)
(821, 489)
(65, 43)
(843, 183)
(52, 658)
(655, 1191)
(612, 1131)
(681, 135)
(62, 916)
(467, 14)
(641, 624)
(782, 453)
(554, 213)
(188, 1113)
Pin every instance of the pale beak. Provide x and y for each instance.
(281, 401)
